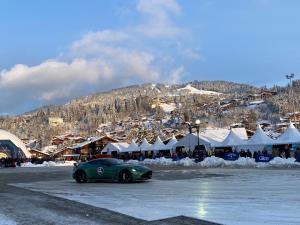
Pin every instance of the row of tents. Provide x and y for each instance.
(234, 139)
(143, 147)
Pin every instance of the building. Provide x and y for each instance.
(11, 146)
(38, 154)
(55, 121)
(85, 149)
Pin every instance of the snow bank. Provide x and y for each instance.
(211, 162)
(279, 162)
(49, 164)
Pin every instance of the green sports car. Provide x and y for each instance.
(110, 169)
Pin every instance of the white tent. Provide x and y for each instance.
(290, 136)
(133, 147)
(171, 142)
(145, 146)
(115, 147)
(158, 145)
(190, 141)
(232, 140)
(240, 132)
(260, 138)
(258, 141)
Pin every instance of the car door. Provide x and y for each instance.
(109, 170)
(96, 169)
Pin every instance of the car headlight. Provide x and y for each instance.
(133, 170)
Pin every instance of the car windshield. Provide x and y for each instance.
(111, 162)
(106, 162)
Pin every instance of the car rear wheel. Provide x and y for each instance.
(81, 177)
(125, 176)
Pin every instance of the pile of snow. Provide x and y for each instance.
(241, 162)
(193, 90)
(282, 162)
(159, 161)
(49, 164)
(212, 162)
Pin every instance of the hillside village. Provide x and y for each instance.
(152, 110)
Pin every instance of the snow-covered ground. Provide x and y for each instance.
(228, 196)
(4, 220)
(193, 90)
(168, 107)
(209, 162)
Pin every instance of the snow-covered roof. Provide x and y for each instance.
(5, 135)
(145, 146)
(290, 136)
(168, 107)
(133, 147)
(256, 102)
(240, 132)
(215, 134)
(158, 145)
(190, 141)
(260, 138)
(115, 147)
(193, 90)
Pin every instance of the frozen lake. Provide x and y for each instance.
(245, 197)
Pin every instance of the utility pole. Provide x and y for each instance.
(290, 77)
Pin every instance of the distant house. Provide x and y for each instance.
(38, 154)
(89, 148)
(266, 94)
(55, 121)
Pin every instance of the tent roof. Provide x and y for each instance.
(145, 146)
(190, 141)
(133, 147)
(290, 136)
(158, 145)
(232, 140)
(240, 132)
(171, 142)
(260, 138)
(119, 147)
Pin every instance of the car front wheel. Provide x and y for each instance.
(125, 176)
(80, 177)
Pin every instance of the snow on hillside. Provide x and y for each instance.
(193, 90)
(168, 107)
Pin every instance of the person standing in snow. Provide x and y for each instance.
(248, 153)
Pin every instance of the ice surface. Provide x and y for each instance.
(4, 220)
(246, 197)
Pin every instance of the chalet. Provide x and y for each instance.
(57, 141)
(266, 94)
(66, 154)
(38, 154)
(91, 147)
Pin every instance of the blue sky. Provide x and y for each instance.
(52, 51)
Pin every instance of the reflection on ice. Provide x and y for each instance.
(249, 196)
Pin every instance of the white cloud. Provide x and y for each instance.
(101, 60)
(158, 18)
(176, 75)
